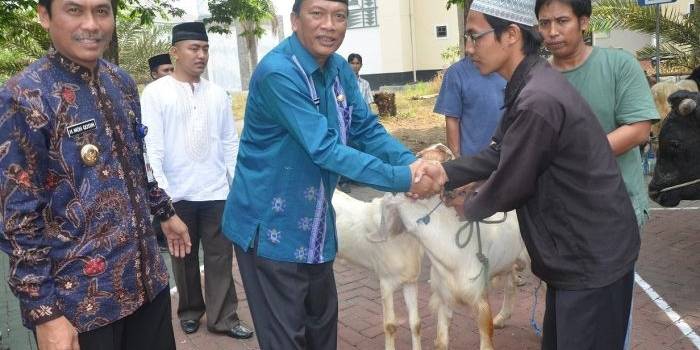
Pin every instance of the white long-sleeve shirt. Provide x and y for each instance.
(191, 141)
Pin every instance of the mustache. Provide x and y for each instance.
(88, 36)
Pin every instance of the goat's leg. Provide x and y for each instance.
(444, 316)
(387, 291)
(410, 297)
(483, 313)
(509, 292)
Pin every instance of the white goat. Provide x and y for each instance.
(456, 275)
(396, 260)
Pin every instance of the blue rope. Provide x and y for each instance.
(533, 323)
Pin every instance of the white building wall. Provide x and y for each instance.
(429, 47)
(386, 48)
(623, 39)
(364, 41)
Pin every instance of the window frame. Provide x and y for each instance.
(437, 31)
(362, 8)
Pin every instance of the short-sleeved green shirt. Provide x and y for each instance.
(613, 83)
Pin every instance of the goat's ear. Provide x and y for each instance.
(446, 150)
(390, 224)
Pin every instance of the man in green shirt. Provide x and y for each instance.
(611, 81)
(613, 84)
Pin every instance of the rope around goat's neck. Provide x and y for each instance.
(685, 184)
(470, 225)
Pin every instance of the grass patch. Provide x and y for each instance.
(239, 100)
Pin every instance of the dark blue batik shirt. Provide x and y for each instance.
(78, 236)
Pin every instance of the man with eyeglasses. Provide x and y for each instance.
(550, 160)
(471, 104)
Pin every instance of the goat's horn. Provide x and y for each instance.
(687, 106)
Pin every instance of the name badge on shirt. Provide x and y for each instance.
(77, 129)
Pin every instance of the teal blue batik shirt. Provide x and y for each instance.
(292, 150)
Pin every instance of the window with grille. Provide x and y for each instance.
(441, 32)
(363, 13)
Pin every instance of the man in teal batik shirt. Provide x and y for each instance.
(305, 125)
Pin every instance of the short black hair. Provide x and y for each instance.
(354, 56)
(581, 8)
(532, 39)
(297, 5)
(46, 4)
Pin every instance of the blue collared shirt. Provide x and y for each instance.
(475, 100)
(292, 152)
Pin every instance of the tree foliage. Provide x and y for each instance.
(680, 34)
(137, 43)
(225, 12)
(22, 39)
(463, 3)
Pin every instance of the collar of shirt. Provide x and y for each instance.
(520, 78)
(71, 67)
(308, 62)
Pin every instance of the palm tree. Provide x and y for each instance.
(680, 34)
(22, 40)
(138, 42)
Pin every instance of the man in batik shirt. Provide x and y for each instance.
(75, 198)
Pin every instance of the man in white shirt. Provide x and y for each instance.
(192, 146)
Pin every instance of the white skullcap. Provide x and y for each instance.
(518, 11)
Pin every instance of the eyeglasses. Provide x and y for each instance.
(474, 37)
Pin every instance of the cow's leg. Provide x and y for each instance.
(482, 310)
(509, 292)
(387, 290)
(410, 297)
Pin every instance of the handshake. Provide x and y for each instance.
(429, 178)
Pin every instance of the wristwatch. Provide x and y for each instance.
(167, 212)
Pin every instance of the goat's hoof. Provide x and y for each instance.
(499, 322)
(440, 346)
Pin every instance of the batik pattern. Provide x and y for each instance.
(79, 237)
